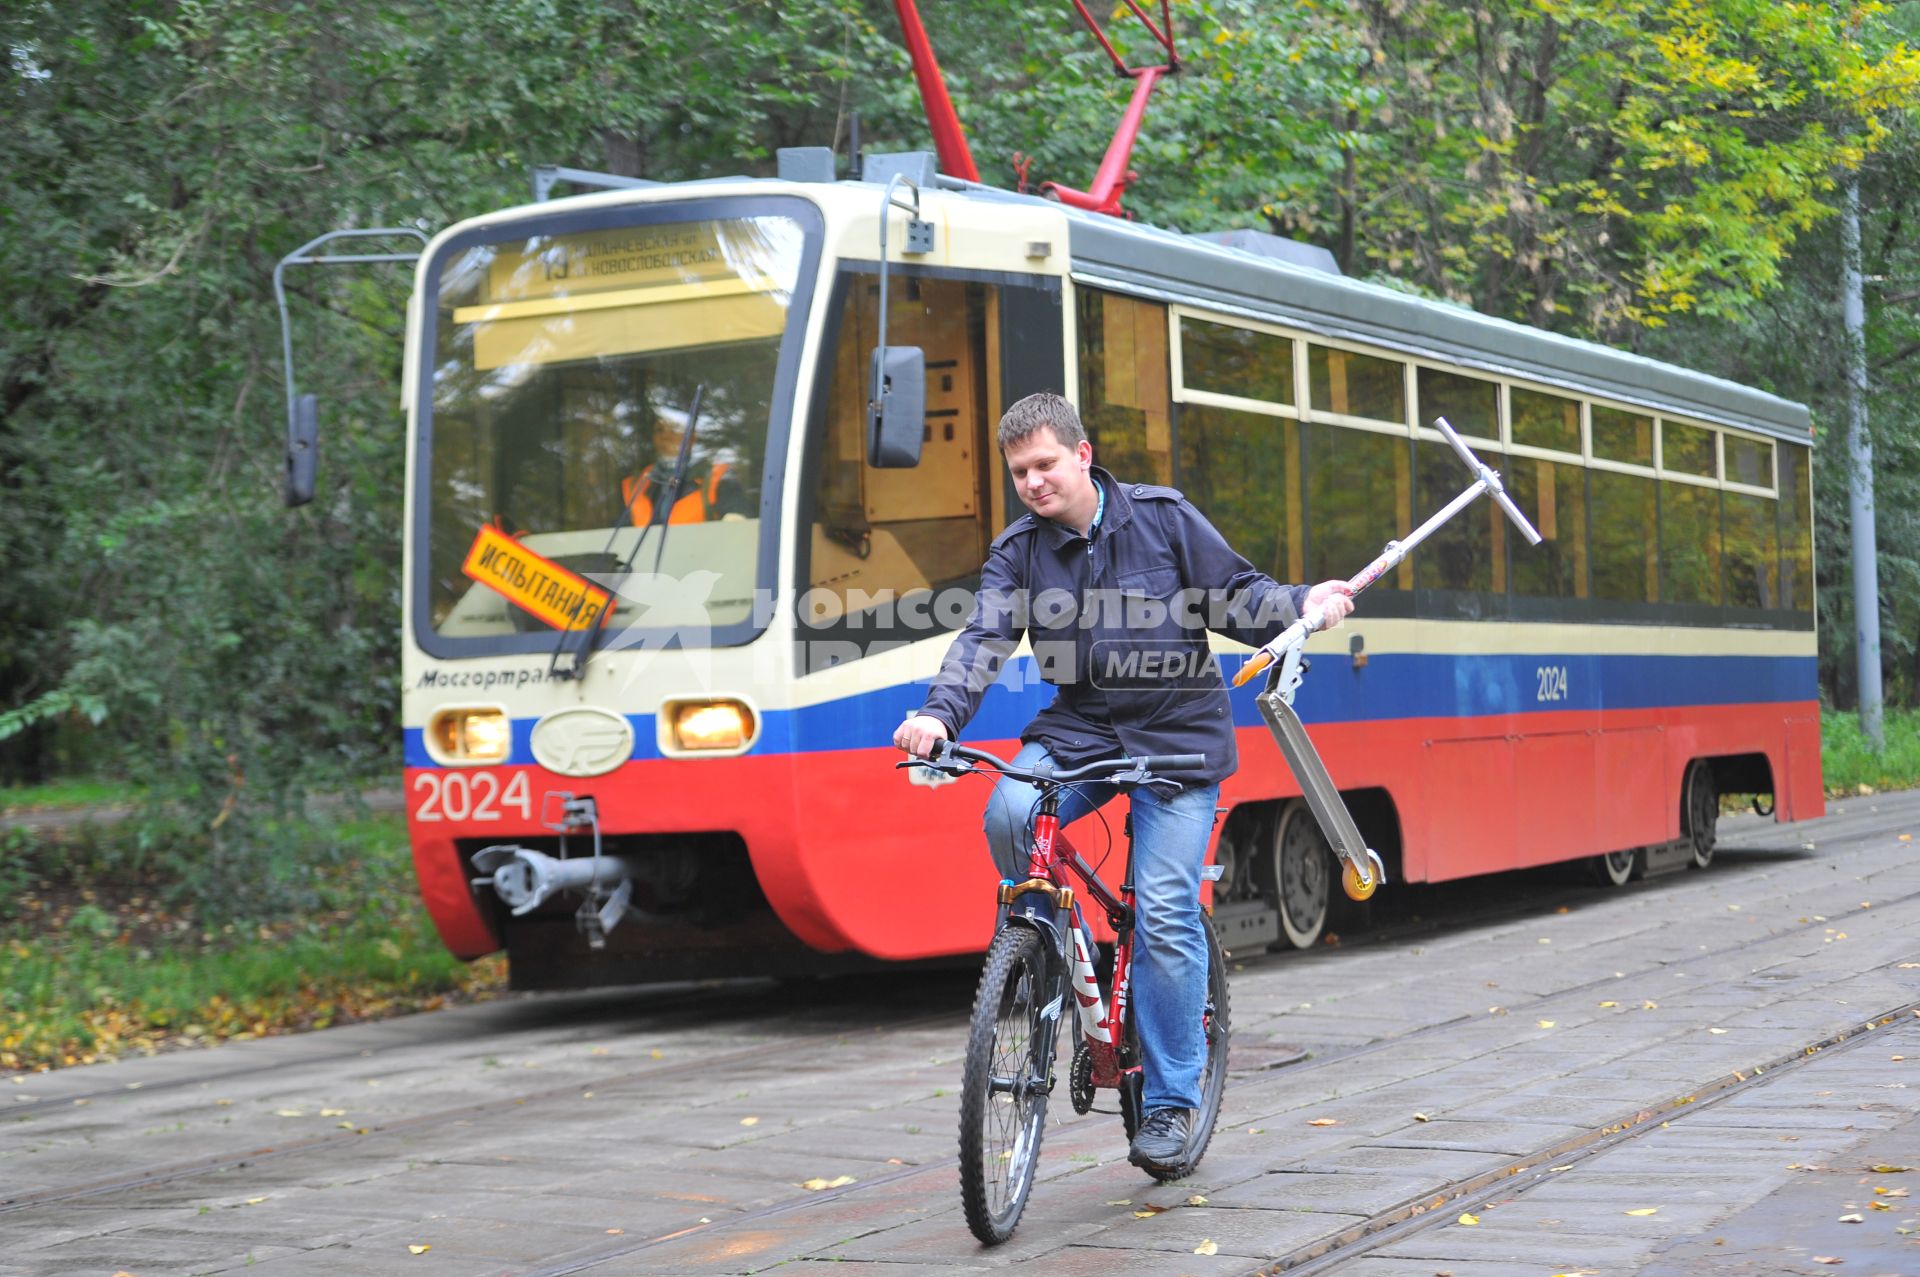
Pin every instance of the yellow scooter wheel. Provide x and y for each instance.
(1356, 889)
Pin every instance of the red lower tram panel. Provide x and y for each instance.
(807, 862)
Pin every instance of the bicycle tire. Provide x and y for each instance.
(1003, 1114)
(1213, 1074)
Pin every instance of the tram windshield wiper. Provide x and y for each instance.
(663, 496)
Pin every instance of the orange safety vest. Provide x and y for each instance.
(691, 508)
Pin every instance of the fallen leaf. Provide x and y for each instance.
(1207, 1247)
(613, 1232)
(1891, 1192)
(1149, 1211)
(288, 1113)
(895, 1161)
(1124, 1201)
(255, 1201)
(749, 1121)
(333, 1112)
(1827, 1259)
(1421, 1117)
(658, 1054)
(1649, 1005)
(1896, 1058)
(817, 1184)
(1609, 1004)
(1256, 1130)
(1567, 1167)
(1853, 1218)
(1645, 1210)
(1884, 1169)
(1469, 1219)
(1543, 940)
(598, 1050)
(418, 1250)
(1323, 1121)
(1906, 837)
(1196, 1200)
(1878, 1206)
(1546, 1024)
(1717, 1032)
(1561, 909)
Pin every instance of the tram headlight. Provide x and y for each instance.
(710, 725)
(471, 735)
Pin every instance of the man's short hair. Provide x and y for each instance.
(1047, 409)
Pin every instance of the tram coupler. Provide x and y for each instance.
(525, 879)
(1364, 870)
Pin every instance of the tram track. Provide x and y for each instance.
(1381, 1229)
(215, 1163)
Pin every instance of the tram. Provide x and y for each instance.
(672, 578)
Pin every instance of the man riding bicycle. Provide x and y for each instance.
(1116, 586)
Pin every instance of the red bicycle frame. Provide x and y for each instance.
(1102, 1026)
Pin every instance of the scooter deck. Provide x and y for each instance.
(1323, 797)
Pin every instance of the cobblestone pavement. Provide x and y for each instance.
(1696, 1074)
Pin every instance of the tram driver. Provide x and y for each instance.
(706, 492)
(1104, 542)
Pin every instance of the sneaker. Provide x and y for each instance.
(1161, 1142)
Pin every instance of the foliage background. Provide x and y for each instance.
(1661, 174)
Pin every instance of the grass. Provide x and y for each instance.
(1848, 761)
(88, 974)
(82, 792)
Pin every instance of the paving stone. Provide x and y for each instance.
(1349, 1194)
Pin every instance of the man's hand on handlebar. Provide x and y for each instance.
(1335, 598)
(919, 734)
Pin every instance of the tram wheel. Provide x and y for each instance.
(1299, 876)
(1700, 811)
(1616, 868)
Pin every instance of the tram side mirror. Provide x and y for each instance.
(897, 412)
(303, 450)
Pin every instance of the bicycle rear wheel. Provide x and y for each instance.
(1004, 1084)
(1217, 1020)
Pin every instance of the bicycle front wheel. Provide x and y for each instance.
(1004, 1084)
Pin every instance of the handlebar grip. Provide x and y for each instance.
(1173, 762)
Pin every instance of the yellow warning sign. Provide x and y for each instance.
(553, 594)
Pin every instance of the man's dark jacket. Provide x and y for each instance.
(1119, 627)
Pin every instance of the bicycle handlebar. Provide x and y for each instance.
(1126, 771)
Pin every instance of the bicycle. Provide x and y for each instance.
(1039, 963)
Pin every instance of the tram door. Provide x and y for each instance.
(881, 537)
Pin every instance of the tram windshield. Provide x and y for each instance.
(565, 370)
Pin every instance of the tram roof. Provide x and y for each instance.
(1181, 268)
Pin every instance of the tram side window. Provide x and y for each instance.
(1796, 528)
(1753, 550)
(1687, 449)
(1469, 552)
(1689, 543)
(1749, 461)
(1546, 421)
(1354, 478)
(880, 533)
(1126, 388)
(1242, 469)
(1625, 567)
(1355, 385)
(1554, 495)
(1470, 405)
(1236, 361)
(1622, 436)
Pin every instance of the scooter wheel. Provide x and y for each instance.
(1356, 889)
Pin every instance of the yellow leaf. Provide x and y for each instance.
(1609, 1004)
(333, 1112)
(1649, 1005)
(1853, 1218)
(418, 1250)
(1884, 1169)
(616, 1232)
(1323, 1121)
(1717, 1032)
(749, 1121)
(255, 1201)
(1421, 1117)
(1828, 1259)
(1207, 1247)
(1469, 1219)
(1124, 1201)
(658, 1054)
(817, 1184)
(1645, 1210)
(1546, 1024)
(288, 1113)
(1196, 1200)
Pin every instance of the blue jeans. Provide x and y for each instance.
(1170, 942)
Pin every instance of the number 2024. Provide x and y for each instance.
(1553, 683)
(471, 796)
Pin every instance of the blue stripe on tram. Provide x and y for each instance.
(1392, 686)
